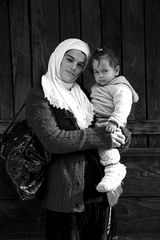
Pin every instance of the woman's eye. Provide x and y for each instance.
(69, 60)
(80, 65)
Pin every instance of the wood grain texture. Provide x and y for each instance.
(133, 53)
(143, 175)
(144, 127)
(91, 23)
(151, 127)
(20, 48)
(21, 220)
(6, 91)
(70, 22)
(137, 236)
(111, 25)
(152, 19)
(142, 152)
(91, 33)
(44, 17)
(138, 218)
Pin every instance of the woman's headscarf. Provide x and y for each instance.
(56, 91)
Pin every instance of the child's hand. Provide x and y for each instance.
(111, 127)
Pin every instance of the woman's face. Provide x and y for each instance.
(72, 65)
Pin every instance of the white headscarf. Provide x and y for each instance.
(56, 91)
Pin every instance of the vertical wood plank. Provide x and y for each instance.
(20, 42)
(111, 24)
(69, 19)
(91, 32)
(44, 34)
(91, 23)
(6, 94)
(133, 51)
(133, 57)
(152, 20)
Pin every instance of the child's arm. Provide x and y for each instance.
(122, 100)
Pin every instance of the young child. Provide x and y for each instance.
(112, 96)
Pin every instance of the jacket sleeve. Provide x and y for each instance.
(122, 99)
(43, 122)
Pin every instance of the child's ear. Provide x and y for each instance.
(117, 70)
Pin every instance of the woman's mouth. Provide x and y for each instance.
(70, 73)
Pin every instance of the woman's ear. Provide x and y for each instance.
(117, 70)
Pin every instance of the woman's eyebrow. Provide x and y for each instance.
(67, 54)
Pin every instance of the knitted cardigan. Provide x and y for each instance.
(71, 162)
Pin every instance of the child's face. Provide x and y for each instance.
(103, 72)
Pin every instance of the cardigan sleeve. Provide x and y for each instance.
(43, 122)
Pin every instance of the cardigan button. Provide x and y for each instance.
(78, 183)
(76, 205)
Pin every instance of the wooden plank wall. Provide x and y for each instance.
(30, 30)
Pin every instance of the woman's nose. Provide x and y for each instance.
(74, 65)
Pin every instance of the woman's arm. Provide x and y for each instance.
(43, 122)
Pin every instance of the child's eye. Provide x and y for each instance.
(105, 70)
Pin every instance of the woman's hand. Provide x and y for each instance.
(118, 139)
(127, 135)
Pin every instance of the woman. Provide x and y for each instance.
(61, 115)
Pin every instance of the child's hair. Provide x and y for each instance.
(102, 53)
